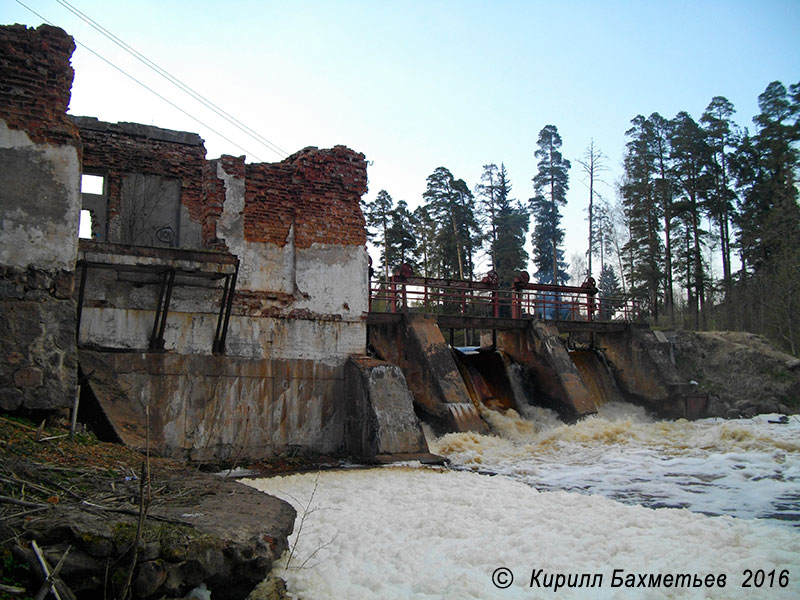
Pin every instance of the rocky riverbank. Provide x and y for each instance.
(742, 372)
(88, 497)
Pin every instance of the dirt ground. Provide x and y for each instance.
(81, 492)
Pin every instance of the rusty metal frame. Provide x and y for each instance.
(160, 321)
(225, 308)
(167, 277)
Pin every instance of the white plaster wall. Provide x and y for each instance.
(335, 280)
(326, 279)
(328, 342)
(42, 231)
(263, 267)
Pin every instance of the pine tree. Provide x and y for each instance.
(469, 231)
(691, 166)
(550, 187)
(766, 166)
(425, 233)
(449, 205)
(664, 190)
(644, 249)
(378, 217)
(769, 206)
(400, 236)
(486, 194)
(721, 136)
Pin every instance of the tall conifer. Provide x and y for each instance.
(550, 187)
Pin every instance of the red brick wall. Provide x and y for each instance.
(114, 152)
(215, 197)
(36, 82)
(317, 190)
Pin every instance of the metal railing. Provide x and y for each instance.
(404, 292)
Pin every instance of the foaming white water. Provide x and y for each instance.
(746, 468)
(399, 533)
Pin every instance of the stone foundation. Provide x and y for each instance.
(39, 208)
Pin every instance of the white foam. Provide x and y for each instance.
(746, 468)
(418, 533)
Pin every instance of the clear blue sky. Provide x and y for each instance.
(419, 84)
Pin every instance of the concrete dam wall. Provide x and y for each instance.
(534, 365)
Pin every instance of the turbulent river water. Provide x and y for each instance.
(618, 494)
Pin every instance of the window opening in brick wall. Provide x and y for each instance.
(94, 202)
(92, 184)
(85, 227)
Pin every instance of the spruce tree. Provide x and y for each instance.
(608, 288)
(511, 227)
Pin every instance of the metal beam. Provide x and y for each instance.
(452, 321)
(594, 326)
(466, 322)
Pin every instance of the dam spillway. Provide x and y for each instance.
(556, 370)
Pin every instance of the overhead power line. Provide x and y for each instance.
(276, 149)
(174, 80)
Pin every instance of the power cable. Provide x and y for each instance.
(149, 89)
(174, 80)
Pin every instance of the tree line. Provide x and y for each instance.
(692, 193)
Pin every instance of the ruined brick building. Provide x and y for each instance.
(217, 300)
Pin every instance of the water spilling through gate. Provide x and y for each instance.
(747, 468)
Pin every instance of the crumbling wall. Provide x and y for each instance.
(302, 287)
(299, 310)
(39, 214)
(149, 170)
(295, 226)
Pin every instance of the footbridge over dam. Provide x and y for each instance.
(468, 346)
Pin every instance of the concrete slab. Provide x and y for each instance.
(121, 413)
(417, 346)
(380, 412)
